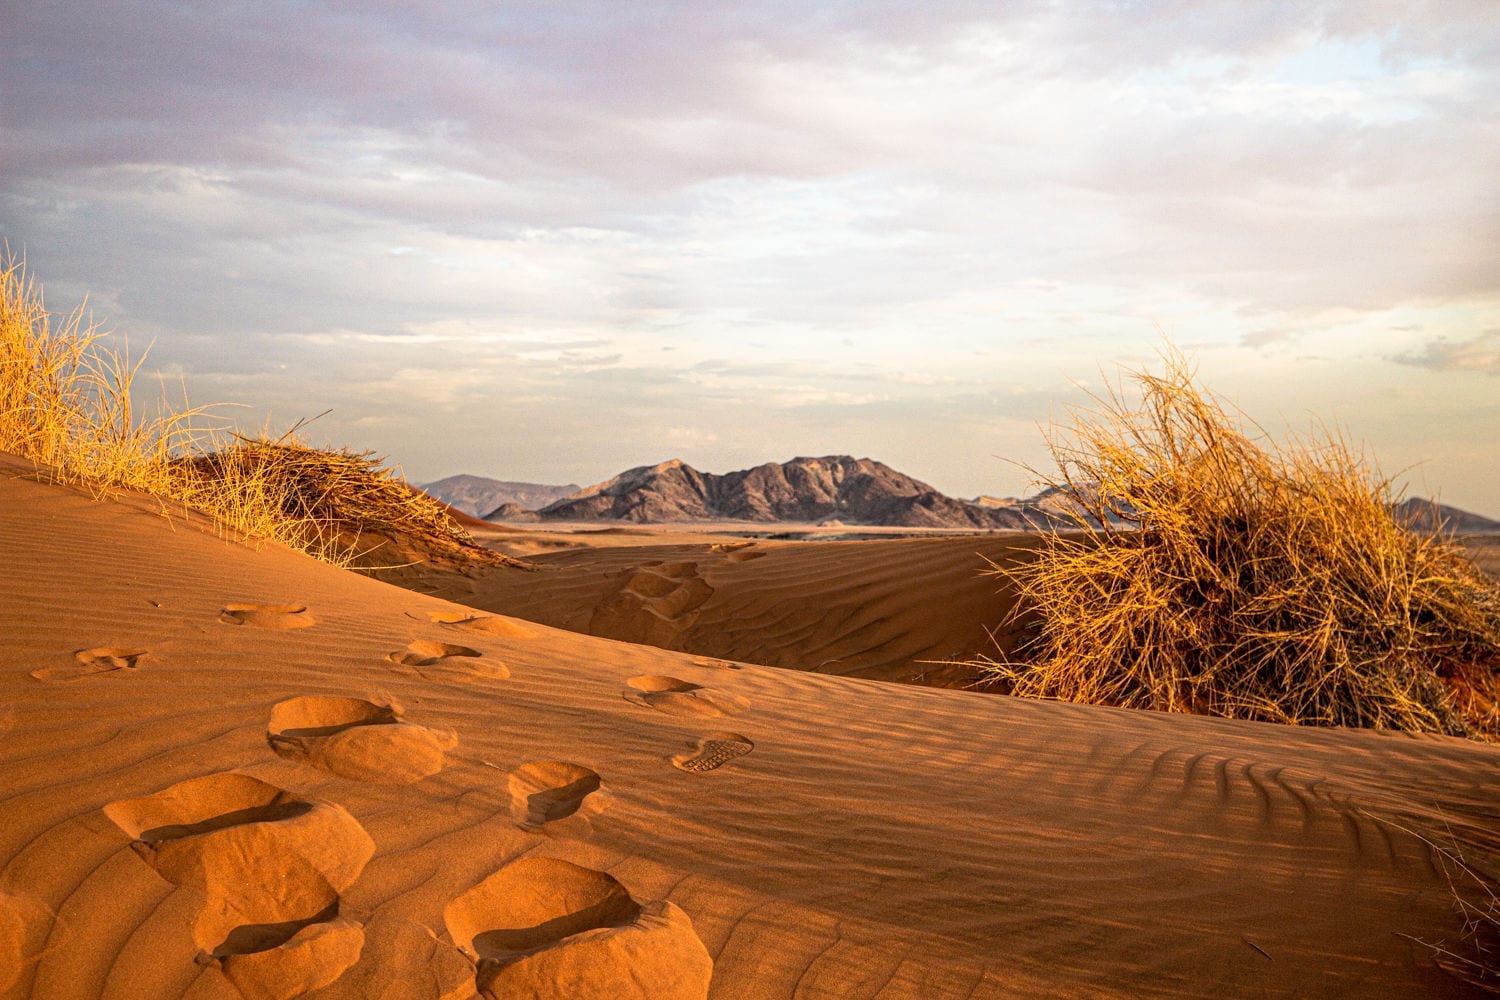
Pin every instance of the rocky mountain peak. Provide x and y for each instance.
(804, 489)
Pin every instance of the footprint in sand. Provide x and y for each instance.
(271, 866)
(544, 927)
(431, 654)
(276, 616)
(546, 791)
(87, 662)
(356, 739)
(467, 621)
(743, 552)
(654, 604)
(406, 960)
(713, 751)
(738, 551)
(426, 652)
(180, 828)
(679, 697)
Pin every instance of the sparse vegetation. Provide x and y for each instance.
(65, 399)
(66, 403)
(1216, 572)
(1475, 956)
(326, 503)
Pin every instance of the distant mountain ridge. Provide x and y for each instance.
(833, 487)
(479, 495)
(839, 488)
(1422, 514)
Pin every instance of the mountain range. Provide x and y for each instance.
(479, 496)
(1422, 514)
(831, 488)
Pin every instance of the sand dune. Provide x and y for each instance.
(200, 801)
(891, 607)
(884, 608)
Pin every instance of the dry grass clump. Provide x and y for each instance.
(65, 399)
(66, 404)
(1217, 573)
(338, 506)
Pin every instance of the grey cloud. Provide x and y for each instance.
(1154, 34)
(493, 91)
(1476, 354)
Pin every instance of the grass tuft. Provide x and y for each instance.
(339, 506)
(65, 399)
(1215, 572)
(66, 404)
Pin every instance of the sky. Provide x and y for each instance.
(548, 241)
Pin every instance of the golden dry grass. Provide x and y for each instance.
(66, 403)
(335, 505)
(65, 399)
(1218, 573)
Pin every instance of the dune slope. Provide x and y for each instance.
(887, 608)
(227, 772)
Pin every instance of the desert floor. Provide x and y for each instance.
(237, 772)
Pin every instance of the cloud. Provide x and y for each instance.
(865, 156)
(607, 216)
(1476, 354)
(1271, 337)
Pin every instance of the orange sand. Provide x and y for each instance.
(885, 608)
(229, 772)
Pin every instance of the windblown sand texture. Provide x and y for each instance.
(893, 609)
(199, 808)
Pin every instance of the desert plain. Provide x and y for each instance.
(232, 771)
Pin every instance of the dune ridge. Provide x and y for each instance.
(835, 837)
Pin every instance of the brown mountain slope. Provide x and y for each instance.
(855, 491)
(1427, 515)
